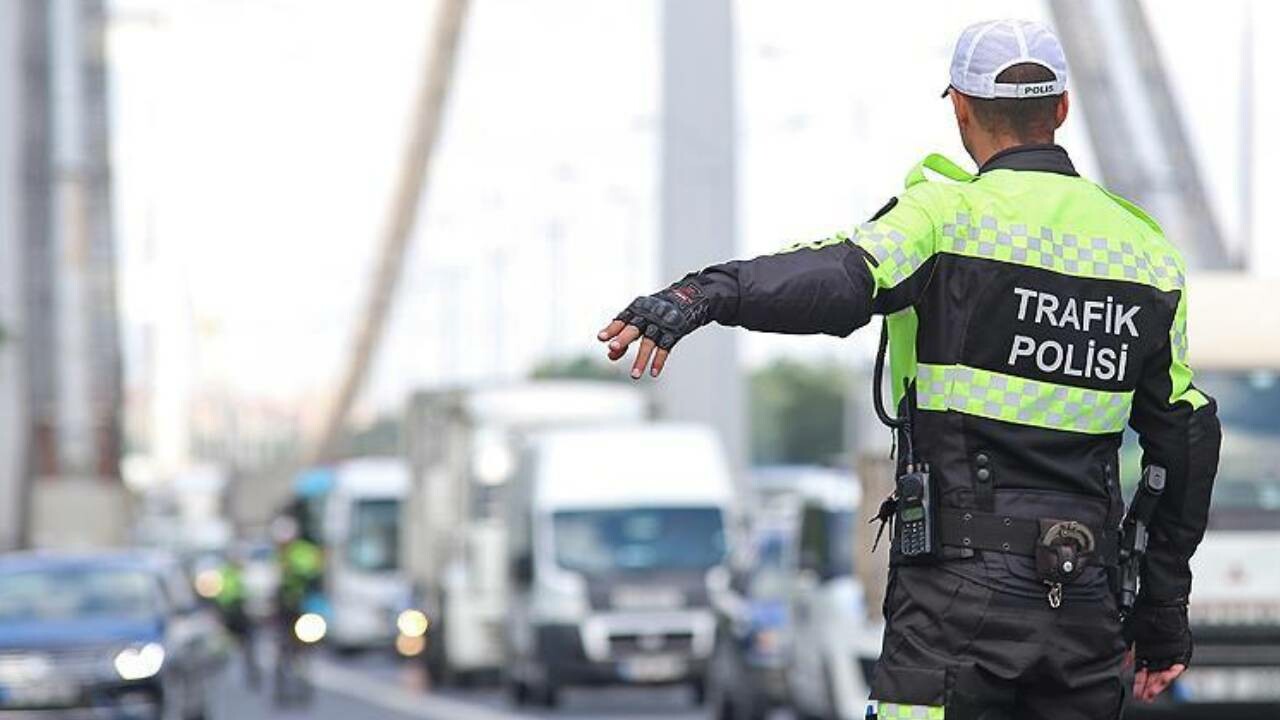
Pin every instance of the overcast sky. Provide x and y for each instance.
(255, 145)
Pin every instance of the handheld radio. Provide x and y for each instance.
(911, 506)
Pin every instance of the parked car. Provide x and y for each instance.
(836, 643)
(747, 675)
(116, 635)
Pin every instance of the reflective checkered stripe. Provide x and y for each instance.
(1179, 371)
(887, 710)
(1019, 400)
(896, 258)
(1063, 252)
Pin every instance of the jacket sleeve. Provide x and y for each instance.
(1178, 428)
(832, 286)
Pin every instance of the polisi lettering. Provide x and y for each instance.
(1088, 360)
(1041, 89)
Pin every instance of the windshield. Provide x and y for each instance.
(596, 542)
(770, 574)
(841, 541)
(1246, 494)
(374, 542)
(77, 594)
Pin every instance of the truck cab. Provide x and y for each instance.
(365, 585)
(1235, 597)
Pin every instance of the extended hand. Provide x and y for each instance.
(661, 320)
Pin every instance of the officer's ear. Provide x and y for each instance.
(964, 113)
(1060, 112)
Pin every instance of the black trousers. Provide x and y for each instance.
(955, 643)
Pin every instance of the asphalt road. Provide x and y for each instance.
(379, 687)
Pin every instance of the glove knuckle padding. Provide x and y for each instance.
(669, 315)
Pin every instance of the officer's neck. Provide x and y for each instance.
(983, 147)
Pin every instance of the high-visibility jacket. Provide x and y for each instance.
(231, 592)
(1032, 314)
(301, 567)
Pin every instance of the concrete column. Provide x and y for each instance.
(13, 392)
(699, 211)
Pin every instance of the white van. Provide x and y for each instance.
(364, 582)
(613, 532)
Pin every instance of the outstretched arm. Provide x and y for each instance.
(829, 287)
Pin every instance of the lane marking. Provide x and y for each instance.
(389, 696)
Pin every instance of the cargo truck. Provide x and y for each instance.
(461, 447)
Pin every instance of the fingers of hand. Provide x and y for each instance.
(618, 345)
(1140, 686)
(1163, 679)
(1148, 684)
(642, 358)
(659, 361)
(610, 330)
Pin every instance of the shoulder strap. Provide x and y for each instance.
(941, 165)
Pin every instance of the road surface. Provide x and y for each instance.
(380, 687)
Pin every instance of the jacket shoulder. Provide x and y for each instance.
(1133, 209)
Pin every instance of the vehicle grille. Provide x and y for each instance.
(624, 644)
(80, 665)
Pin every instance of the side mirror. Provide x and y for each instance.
(811, 561)
(522, 570)
(719, 580)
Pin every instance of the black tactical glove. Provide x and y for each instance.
(669, 315)
(1160, 635)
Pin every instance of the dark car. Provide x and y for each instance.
(106, 635)
(747, 675)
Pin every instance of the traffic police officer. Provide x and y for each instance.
(1030, 314)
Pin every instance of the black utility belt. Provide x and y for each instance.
(993, 532)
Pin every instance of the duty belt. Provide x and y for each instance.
(993, 532)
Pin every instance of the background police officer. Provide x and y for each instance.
(1030, 315)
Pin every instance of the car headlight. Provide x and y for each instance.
(209, 584)
(310, 628)
(139, 662)
(412, 623)
(767, 642)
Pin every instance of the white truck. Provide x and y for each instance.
(1234, 332)
(613, 533)
(461, 447)
(365, 583)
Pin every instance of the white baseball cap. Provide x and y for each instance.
(986, 49)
